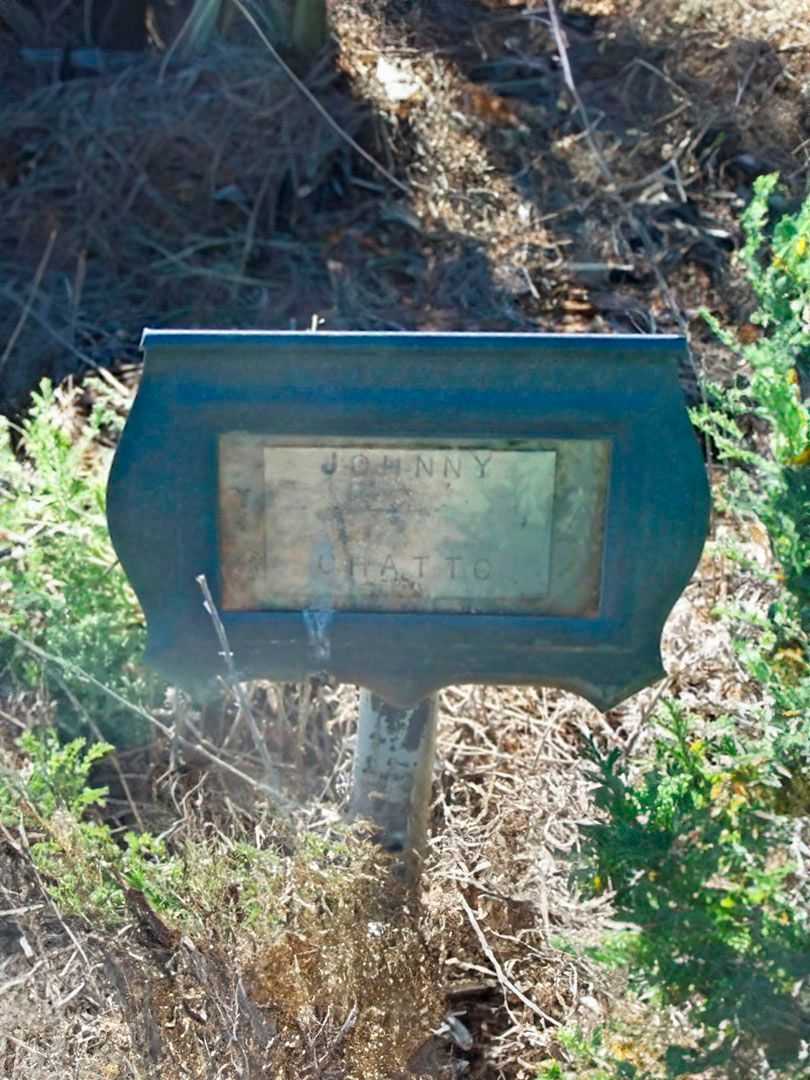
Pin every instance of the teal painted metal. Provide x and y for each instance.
(496, 391)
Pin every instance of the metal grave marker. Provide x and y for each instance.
(406, 511)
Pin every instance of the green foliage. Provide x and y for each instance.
(772, 482)
(695, 846)
(87, 871)
(552, 1070)
(701, 873)
(89, 868)
(57, 777)
(769, 478)
(617, 1050)
(85, 868)
(60, 585)
(585, 1053)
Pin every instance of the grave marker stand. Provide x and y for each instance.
(393, 773)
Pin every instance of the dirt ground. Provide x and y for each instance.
(459, 166)
(452, 165)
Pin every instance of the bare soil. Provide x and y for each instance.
(499, 188)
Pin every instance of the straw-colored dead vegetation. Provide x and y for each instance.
(455, 165)
(499, 188)
(334, 979)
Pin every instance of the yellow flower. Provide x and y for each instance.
(784, 918)
(791, 663)
(801, 247)
(622, 1049)
(718, 787)
(597, 882)
(697, 746)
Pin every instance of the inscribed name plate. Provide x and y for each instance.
(393, 528)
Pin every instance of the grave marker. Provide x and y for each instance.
(406, 511)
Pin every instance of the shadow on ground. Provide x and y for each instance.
(214, 194)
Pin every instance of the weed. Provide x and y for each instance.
(721, 922)
(86, 869)
(772, 481)
(57, 777)
(769, 479)
(60, 584)
(696, 849)
(294, 933)
(610, 1051)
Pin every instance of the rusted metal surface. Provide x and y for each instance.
(387, 527)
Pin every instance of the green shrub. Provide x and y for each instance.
(204, 884)
(85, 869)
(702, 876)
(57, 777)
(772, 481)
(696, 848)
(60, 585)
(768, 476)
(589, 1056)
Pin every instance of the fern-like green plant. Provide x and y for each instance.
(768, 478)
(85, 868)
(56, 778)
(773, 483)
(60, 585)
(695, 847)
(702, 878)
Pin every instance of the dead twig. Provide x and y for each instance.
(307, 93)
(501, 975)
(236, 686)
(20, 980)
(29, 303)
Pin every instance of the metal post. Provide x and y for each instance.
(393, 770)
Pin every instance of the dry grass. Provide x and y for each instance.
(212, 193)
(335, 980)
(165, 198)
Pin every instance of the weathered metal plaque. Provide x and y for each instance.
(387, 527)
(405, 511)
